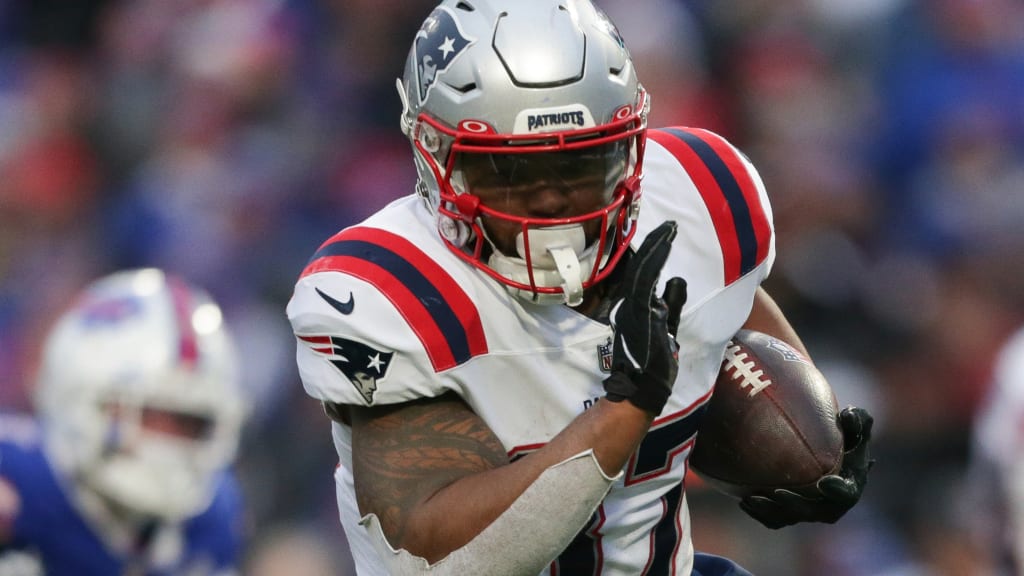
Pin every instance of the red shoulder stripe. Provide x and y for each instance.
(729, 193)
(438, 310)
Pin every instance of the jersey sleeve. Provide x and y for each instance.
(726, 240)
(725, 246)
(378, 321)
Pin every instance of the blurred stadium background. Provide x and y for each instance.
(225, 139)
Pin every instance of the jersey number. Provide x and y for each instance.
(670, 439)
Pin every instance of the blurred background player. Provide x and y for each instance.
(221, 139)
(996, 475)
(126, 468)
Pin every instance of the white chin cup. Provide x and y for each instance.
(162, 478)
(559, 258)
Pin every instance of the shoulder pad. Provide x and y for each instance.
(371, 303)
(731, 191)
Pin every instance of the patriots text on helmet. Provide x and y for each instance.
(536, 121)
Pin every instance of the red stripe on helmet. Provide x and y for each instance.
(188, 343)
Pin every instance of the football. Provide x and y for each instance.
(771, 421)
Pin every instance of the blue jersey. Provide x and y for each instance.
(49, 526)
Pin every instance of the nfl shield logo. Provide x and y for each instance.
(786, 351)
(604, 356)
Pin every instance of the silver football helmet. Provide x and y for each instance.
(139, 393)
(502, 99)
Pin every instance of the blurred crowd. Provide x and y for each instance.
(225, 139)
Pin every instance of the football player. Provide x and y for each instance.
(126, 468)
(517, 357)
(996, 478)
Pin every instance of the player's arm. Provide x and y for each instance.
(838, 492)
(435, 475)
(435, 484)
(768, 318)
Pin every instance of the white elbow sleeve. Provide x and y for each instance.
(524, 539)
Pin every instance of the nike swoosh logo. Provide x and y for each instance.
(343, 307)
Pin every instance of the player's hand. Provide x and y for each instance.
(837, 493)
(645, 355)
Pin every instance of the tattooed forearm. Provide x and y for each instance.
(403, 455)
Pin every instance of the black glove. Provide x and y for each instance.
(645, 356)
(837, 493)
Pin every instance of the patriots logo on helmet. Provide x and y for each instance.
(438, 43)
(611, 29)
(363, 365)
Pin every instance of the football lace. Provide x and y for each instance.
(735, 360)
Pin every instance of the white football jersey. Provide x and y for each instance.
(997, 512)
(385, 313)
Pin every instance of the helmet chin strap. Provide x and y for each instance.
(559, 258)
